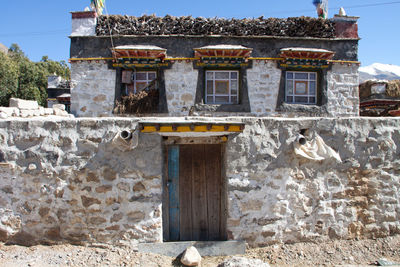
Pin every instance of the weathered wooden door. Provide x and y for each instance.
(195, 193)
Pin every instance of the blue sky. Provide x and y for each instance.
(42, 27)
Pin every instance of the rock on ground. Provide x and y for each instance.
(191, 257)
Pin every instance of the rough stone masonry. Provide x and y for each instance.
(63, 180)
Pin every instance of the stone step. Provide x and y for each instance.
(205, 248)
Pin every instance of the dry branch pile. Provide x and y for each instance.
(139, 103)
(393, 88)
(187, 25)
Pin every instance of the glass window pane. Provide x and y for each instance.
(289, 99)
(234, 75)
(234, 92)
(222, 87)
(289, 75)
(234, 100)
(301, 99)
(312, 88)
(222, 75)
(222, 99)
(300, 88)
(210, 100)
(140, 86)
(234, 85)
(210, 75)
(312, 100)
(141, 76)
(152, 76)
(299, 75)
(313, 76)
(210, 89)
(289, 87)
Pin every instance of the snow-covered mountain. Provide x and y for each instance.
(379, 71)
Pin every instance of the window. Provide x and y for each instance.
(222, 87)
(140, 80)
(301, 87)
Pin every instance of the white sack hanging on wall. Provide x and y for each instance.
(316, 149)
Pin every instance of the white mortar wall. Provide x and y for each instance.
(180, 87)
(263, 85)
(92, 89)
(64, 180)
(84, 27)
(343, 99)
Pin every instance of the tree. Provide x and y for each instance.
(53, 67)
(8, 79)
(22, 78)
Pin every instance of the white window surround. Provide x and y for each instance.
(222, 87)
(301, 87)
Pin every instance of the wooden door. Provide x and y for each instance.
(195, 193)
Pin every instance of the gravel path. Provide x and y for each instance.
(332, 253)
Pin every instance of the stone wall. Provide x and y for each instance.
(276, 196)
(180, 87)
(343, 99)
(64, 181)
(92, 89)
(263, 83)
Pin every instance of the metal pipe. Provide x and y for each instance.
(126, 135)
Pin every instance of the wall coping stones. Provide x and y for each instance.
(23, 104)
(20, 108)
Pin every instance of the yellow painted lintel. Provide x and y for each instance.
(344, 61)
(141, 65)
(306, 66)
(138, 57)
(265, 58)
(222, 64)
(185, 128)
(192, 59)
(90, 58)
(180, 58)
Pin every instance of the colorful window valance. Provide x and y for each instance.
(138, 56)
(305, 57)
(222, 55)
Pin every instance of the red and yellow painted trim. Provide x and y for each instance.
(189, 59)
(185, 128)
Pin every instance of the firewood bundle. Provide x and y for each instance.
(187, 25)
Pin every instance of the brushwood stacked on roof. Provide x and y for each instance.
(187, 25)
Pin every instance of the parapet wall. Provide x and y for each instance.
(64, 181)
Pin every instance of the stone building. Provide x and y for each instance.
(215, 67)
(210, 150)
(58, 92)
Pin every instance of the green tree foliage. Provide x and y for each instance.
(22, 78)
(8, 79)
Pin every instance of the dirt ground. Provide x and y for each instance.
(332, 253)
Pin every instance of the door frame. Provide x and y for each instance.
(170, 141)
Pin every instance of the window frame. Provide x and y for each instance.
(307, 81)
(147, 80)
(214, 95)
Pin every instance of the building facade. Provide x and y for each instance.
(187, 66)
(197, 158)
